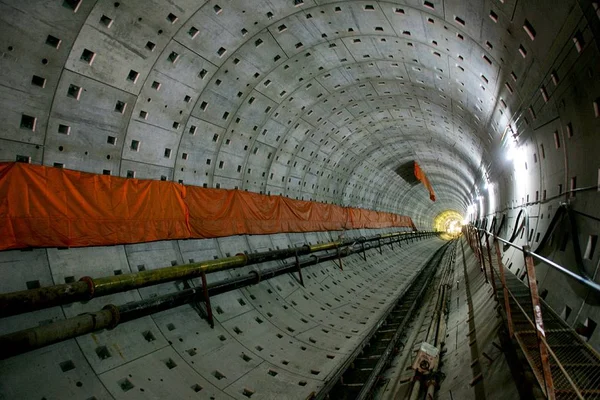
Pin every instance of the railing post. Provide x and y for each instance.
(481, 257)
(472, 237)
(297, 262)
(492, 276)
(209, 314)
(339, 254)
(504, 289)
(539, 322)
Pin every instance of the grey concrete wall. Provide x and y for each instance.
(276, 339)
(558, 141)
(313, 101)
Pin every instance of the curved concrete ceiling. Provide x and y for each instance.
(310, 99)
(313, 100)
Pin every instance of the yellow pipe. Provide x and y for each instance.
(324, 246)
(121, 283)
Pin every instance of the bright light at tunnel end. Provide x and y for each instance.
(450, 223)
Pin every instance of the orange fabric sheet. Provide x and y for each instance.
(52, 207)
(420, 175)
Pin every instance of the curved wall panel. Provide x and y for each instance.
(276, 339)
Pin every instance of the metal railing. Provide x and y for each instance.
(564, 365)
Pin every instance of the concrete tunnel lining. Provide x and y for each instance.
(302, 330)
(314, 100)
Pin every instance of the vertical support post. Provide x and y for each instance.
(392, 243)
(362, 244)
(297, 261)
(339, 254)
(379, 248)
(539, 322)
(505, 289)
(209, 313)
(492, 276)
(481, 257)
(470, 236)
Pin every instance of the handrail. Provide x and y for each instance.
(581, 279)
(565, 271)
(86, 288)
(540, 360)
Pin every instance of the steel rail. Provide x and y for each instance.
(337, 378)
(366, 390)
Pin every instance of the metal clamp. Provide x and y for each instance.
(91, 286)
(116, 315)
(362, 245)
(258, 275)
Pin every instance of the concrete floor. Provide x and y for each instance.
(275, 340)
(474, 363)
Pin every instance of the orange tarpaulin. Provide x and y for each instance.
(420, 175)
(52, 207)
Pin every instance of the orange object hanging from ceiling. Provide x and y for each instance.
(52, 207)
(420, 175)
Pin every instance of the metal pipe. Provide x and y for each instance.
(338, 375)
(430, 389)
(378, 368)
(111, 316)
(440, 330)
(435, 333)
(30, 339)
(40, 336)
(539, 324)
(565, 271)
(87, 288)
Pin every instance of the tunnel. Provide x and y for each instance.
(299, 199)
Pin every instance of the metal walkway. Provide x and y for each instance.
(574, 365)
